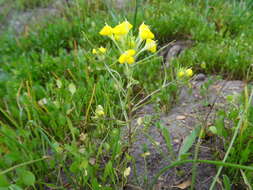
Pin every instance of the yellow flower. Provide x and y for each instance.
(151, 45)
(130, 60)
(127, 57)
(94, 51)
(102, 49)
(145, 32)
(99, 112)
(180, 74)
(203, 65)
(122, 29)
(122, 58)
(189, 72)
(106, 31)
(143, 27)
(127, 172)
(127, 25)
(130, 52)
(145, 154)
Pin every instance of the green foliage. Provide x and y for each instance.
(51, 85)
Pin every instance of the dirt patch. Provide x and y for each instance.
(204, 98)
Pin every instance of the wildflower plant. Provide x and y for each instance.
(129, 47)
(129, 50)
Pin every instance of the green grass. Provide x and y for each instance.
(51, 85)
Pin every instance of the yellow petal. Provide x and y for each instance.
(94, 51)
(122, 58)
(130, 52)
(153, 49)
(180, 74)
(127, 25)
(102, 49)
(143, 27)
(127, 172)
(123, 28)
(145, 33)
(120, 30)
(99, 111)
(106, 31)
(151, 45)
(130, 60)
(189, 72)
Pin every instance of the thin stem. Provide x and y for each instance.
(23, 164)
(115, 79)
(114, 41)
(136, 106)
(181, 162)
(136, 12)
(196, 154)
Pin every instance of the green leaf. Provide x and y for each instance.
(4, 181)
(4, 188)
(213, 129)
(15, 187)
(27, 178)
(95, 184)
(188, 142)
(74, 167)
(226, 182)
(166, 136)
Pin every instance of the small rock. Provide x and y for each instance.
(180, 117)
(200, 77)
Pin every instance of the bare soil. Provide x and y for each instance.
(194, 107)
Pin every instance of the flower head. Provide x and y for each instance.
(127, 172)
(183, 72)
(122, 28)
(151, 45)
(145, 33)
(180, 74)
(106, 31)
(99, 112)
(203, 65)
(189, 72)
(102, 49)
(94, 51)
(130, 52)
(127, 57)
(145, 154)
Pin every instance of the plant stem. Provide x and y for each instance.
(135, 12)
(23, 164)
(177, 163)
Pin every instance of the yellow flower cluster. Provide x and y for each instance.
(130, 45)
(99, 112)
(101, 50)
(127, 57)
(185, 73)
(146, 34)
(118, 31)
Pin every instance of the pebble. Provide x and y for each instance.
(200, 77)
